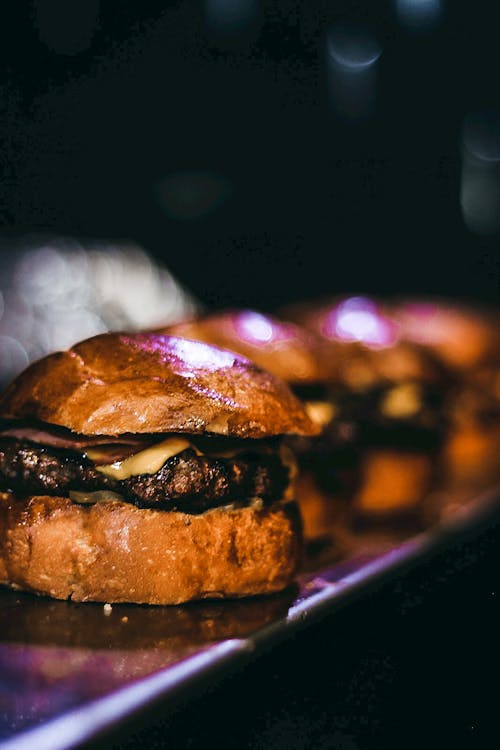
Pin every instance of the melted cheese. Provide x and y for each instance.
(219, 425)
(148, 461)
(402, 401)
(321, 412)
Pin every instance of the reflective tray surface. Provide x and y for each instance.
(70, 672)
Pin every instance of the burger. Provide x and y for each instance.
(466, 339)
(393, 393)
(149, 469)
(327, 461)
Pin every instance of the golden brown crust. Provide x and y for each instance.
(144, 383)
(361, 364)
(363, 368)
(115, 552)
(283, 348)
(461, 336)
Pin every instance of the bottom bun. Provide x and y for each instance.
(115, 552)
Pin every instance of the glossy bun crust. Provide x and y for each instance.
(115, 552)
(283, 348)
(146, 383)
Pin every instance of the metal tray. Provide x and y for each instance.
(70, 672)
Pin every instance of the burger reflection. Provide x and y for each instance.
(41, 621)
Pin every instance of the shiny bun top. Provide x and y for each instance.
(147, 383)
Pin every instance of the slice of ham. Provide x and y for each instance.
(110, 448)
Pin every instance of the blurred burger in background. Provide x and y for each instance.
(393, 393)
(327, 463)
(466, 340)
(461, 337)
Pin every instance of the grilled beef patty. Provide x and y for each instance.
(186, 482)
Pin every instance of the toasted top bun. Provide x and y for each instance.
(461, 336)
(356, 321)
(366, 343)
(145, 383)
(285, 349)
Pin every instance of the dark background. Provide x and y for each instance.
(271, 194)
(223, 155)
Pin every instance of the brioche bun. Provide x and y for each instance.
(366, 343)
(283, 348)
(115, 552)
(146, 383)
